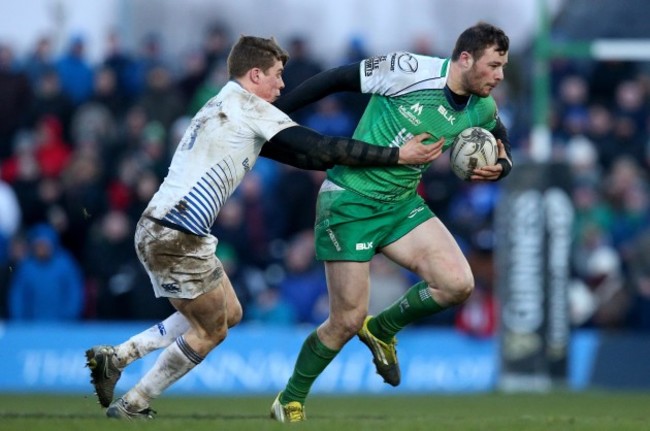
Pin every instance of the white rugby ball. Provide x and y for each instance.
(473, 148)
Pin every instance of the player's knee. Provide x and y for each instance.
(235, 315)
(461, 288)
(218, 335)
(350, 324)
(209, 336)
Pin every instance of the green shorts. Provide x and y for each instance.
(353, 228)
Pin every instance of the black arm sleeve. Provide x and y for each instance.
(500, 132)
(318, 152)
(276, 151)
(344, 78)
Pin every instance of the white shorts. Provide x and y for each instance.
(180, 265)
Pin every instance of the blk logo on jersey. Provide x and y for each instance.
(443, 111)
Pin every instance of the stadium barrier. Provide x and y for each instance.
(255, 359)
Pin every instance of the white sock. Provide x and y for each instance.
(172, 364)
(158, 336)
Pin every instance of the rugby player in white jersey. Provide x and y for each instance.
(173, 239)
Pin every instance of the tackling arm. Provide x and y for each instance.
(344, 78)
(306, 149)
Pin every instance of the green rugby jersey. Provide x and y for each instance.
(408, 98)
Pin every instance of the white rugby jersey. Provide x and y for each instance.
(400, 73)
(220, 145)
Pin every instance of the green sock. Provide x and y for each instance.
(313, 358)
(415, 304)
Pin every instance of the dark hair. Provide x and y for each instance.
(478, 38)
(250, 52)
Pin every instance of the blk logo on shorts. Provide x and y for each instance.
(364, 246)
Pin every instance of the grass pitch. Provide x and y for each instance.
(485, 412)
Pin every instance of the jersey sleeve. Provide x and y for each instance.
(398, 72)
(266, 120)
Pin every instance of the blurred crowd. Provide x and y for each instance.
(85, 144)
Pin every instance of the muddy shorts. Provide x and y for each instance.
(179, 264)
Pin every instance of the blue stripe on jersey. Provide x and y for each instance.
(225, 177)
(210, 200)
(198, 207)
(205, 199)
(218, 195)
(191, 216)
(175, 217)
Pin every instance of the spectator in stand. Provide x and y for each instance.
(107, 93)
(630, 116)
(598, 297)
(39, 61)
(295, 185)
(216, 79)
(604, 74)
(130, 135)
(355, 102)
(331, 118)
(10, 216)
(47, 284)
(301, 65)
(149, 57)
(153, 154)
(571, 108)
(121, 63)
(118, 285)
(639, 269)
(84, 198)
(161, 99)
(600, 131)
(258, 225)
(108, 255)
(50, 100)
(146, 185)
(193, 75)
(39, 198)
(626, 190)
(591, 210)
(303, 286)
(230, 228)
(75, 71)
(52, 152)
(15, 100)
(216, 45)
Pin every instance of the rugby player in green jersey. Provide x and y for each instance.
(363, 211)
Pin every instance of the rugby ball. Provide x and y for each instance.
(473, 148)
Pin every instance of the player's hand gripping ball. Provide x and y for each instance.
(473, 148)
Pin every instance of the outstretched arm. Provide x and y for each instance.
(344, 78)
(306, 149)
